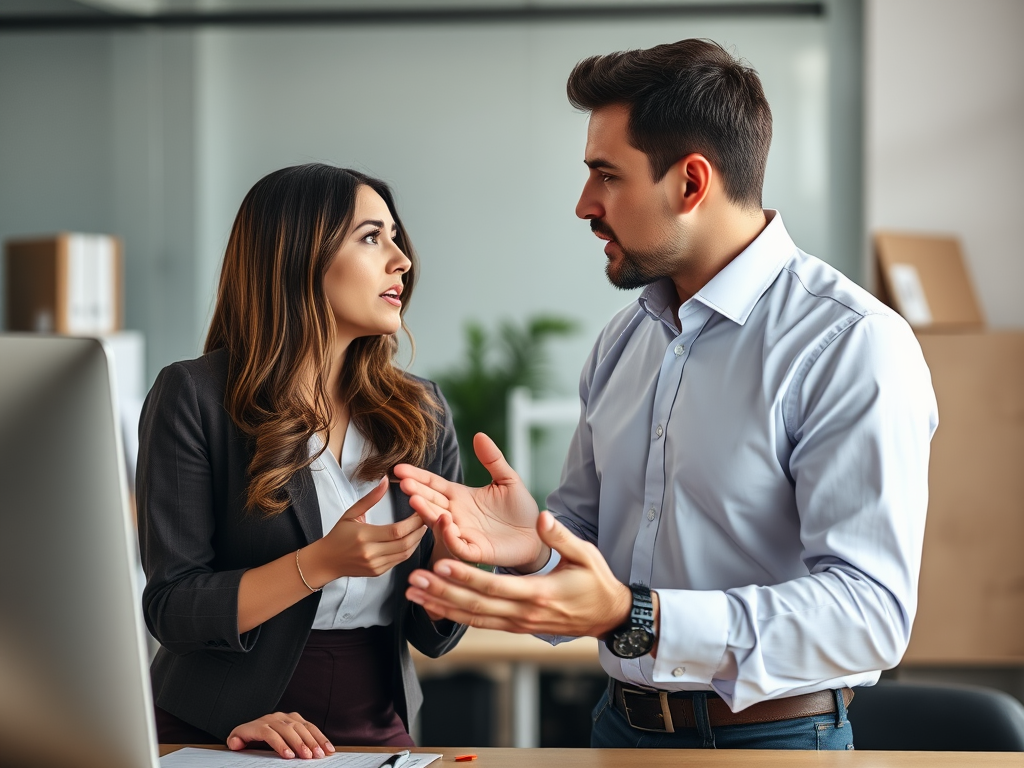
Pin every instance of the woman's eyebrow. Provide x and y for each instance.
(372, 222)
(377, 224)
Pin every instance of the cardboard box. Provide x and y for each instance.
(66, 283)
(971, 608)
(925, 279)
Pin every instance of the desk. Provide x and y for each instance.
(506, 757)
(515, 662)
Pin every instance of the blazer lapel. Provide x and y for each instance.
(305, 504)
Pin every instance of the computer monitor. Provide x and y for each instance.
(74, 684)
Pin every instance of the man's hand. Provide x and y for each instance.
(581, 597)
(495, 524)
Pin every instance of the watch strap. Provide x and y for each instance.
(621, 641)
(642, 613)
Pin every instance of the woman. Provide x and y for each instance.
(276, 556)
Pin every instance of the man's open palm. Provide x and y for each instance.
(496, 524)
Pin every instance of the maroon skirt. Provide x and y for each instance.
(344, 684)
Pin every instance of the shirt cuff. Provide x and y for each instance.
(551, 564)
(693, 634)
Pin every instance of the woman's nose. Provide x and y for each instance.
(401, 262)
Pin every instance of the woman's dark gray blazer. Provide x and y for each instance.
(197, 541)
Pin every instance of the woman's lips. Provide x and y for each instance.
(391, 295)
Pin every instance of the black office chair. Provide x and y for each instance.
(923, 717)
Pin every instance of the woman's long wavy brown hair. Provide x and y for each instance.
(274, 320)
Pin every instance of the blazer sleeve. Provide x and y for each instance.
(187, 604)
(431, 638)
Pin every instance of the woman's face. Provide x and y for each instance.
(364, 281)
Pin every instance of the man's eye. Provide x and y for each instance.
(606, 178)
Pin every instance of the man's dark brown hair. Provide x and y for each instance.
(685, 97)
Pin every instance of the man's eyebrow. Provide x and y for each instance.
(599, 163)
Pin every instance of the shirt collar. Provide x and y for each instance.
(657, 300)
(735, 290)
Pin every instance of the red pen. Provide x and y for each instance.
(464, 758)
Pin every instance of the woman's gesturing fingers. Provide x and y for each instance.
(368, 501)
(288, 734)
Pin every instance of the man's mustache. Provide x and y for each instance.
(599, 227)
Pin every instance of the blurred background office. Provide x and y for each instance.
(150, 119)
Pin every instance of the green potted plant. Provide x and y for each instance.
(495, 363)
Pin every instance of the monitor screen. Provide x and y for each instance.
(73, 665)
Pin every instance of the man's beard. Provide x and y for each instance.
(638, 267)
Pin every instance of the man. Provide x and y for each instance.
(752, 451)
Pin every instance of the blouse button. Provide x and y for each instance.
(678, 671)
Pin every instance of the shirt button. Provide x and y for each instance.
(346, 616)
(659, 431)
(679, 349)
(678, 671)
(651, 513)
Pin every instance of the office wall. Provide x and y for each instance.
(55, 143)
(468, 121)
(471, 126)
(96, 135)
(155, 181)
(945, 116)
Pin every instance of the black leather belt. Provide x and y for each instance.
(665, 712)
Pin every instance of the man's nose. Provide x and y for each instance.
(588, 206)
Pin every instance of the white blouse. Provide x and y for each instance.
(351, 601)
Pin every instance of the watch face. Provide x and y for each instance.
(632, 643)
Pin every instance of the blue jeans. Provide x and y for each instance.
(611, 730)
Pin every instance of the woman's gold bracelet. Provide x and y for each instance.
(299, 569)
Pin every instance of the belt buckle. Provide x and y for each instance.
(666, 713)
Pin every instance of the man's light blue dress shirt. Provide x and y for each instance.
(761, 460)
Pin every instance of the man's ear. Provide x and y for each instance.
(690, 181)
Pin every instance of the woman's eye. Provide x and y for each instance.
(371, 239)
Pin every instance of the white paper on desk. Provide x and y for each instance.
(190, 757)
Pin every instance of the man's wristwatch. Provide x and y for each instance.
(636, 637)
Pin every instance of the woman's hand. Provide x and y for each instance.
(356, 548)
(352, 548)
(495, 524)
(290, 735)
